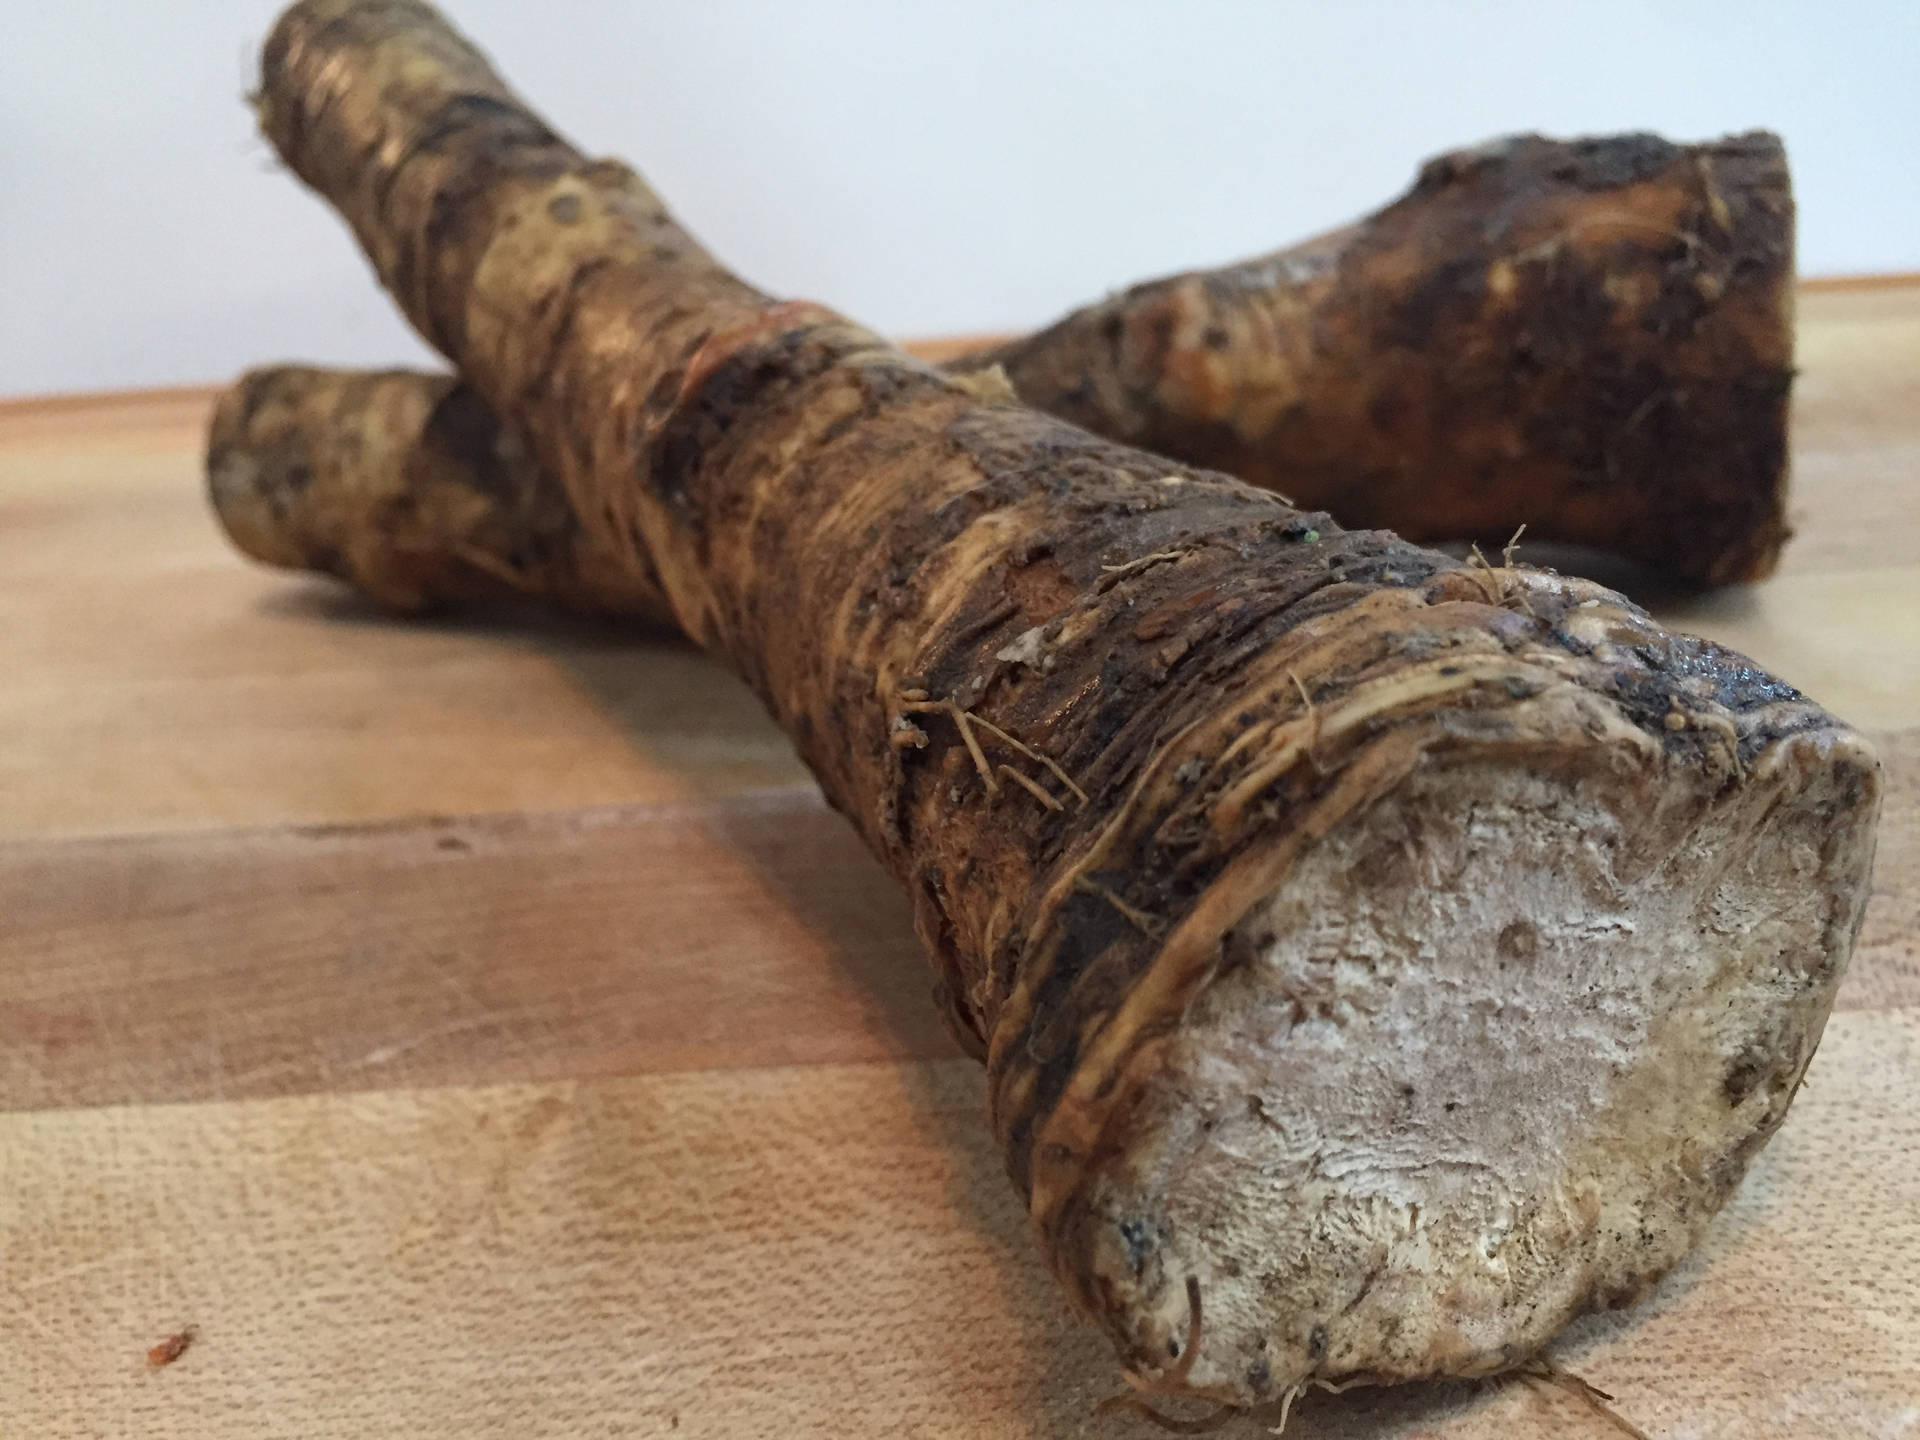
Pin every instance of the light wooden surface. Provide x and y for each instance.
(482, 1029)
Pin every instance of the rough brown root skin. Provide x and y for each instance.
(1215, 693)
(405, 485)
(1593, 338)
(1590, 338)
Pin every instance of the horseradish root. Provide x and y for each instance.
(1589, 338)
(1377, 960)
(1593, 338)
(404, 484)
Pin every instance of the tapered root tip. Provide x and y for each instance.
(240, 500)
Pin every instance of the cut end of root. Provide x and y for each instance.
(1491, 1055)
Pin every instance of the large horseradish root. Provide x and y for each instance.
(1378, 960)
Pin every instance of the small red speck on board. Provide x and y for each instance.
(171, 1348)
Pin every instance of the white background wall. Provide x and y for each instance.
(927, 165)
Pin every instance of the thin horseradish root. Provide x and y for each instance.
(405, 485)
(1360, 958)
(1593, 338)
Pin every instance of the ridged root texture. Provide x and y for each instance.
(1161, 761)
(1593, 338)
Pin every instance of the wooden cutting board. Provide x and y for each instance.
(481, 1028)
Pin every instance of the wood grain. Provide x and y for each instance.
(157, 682)
(754, 932)
(820, 1251)
(481, 1027)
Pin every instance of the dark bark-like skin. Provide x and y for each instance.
(1593, 338)
(1086, 705)
(405, 485)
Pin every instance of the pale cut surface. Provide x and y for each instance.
(1487, 1060)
